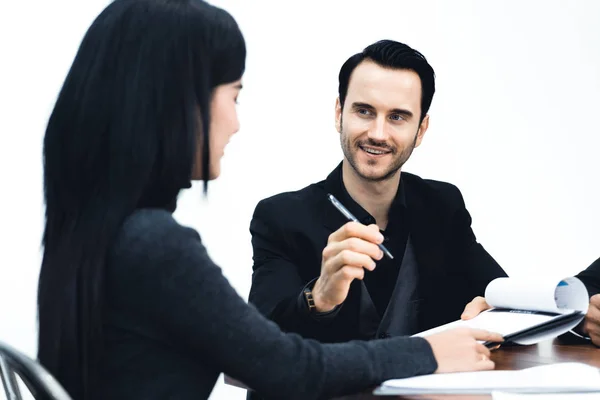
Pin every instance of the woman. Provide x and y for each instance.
(130, 304)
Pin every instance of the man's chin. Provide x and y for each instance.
(375, 174)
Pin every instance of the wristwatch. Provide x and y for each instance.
(310, 301)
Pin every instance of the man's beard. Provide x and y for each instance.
(397, 162)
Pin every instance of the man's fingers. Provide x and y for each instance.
(591, 324)
(348, 257)
(591, 328)
(593, 313)
(348, 273)
(474, 308)
(480, 334)
(358, 230)
(353, 244)
(374, 228)
(595, 301)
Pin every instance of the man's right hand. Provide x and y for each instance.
(349, 249)
(458, 350)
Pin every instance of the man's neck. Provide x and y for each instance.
(375, 197)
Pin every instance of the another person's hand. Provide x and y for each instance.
(458, 350)
(591, 325)
(349, 250)
(474, 308)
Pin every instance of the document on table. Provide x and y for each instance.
(552, 378)
(527, 312)
(544, 396)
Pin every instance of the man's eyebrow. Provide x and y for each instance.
(400, 111)
(362, 105)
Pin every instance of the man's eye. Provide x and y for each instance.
(364, 111)
(397, 117)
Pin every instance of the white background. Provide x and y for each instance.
(513, 124)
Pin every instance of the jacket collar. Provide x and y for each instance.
(334, 184)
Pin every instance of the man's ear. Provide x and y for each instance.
(422, 129)
(338, 115)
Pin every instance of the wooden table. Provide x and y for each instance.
(568, 349)
(516, 357)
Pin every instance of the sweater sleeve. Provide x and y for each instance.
(178, 287)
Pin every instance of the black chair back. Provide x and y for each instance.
(40, 383)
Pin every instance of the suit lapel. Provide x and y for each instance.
(426, 232)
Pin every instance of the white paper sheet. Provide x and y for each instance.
(499, 322)
(506, 322)
(544, 396)
(553, 378)
(525, 299)
(550, 295)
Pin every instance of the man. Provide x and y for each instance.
(324, 278)
(590, 328)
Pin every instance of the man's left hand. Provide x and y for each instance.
(474, 308)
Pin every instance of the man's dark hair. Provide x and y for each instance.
(394, 55)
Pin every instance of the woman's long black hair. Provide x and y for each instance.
(123, 135)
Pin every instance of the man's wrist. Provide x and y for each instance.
(320, 306)
(307, 302)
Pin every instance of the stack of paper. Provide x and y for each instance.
(555, 396)
(553, 378)
(527, 313)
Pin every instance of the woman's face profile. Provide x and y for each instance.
(224, 123)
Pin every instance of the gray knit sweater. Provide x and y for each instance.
(173, 324)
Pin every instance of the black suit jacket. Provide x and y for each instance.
(591, 278)
(290, 230)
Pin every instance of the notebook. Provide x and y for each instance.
(544, 396)
(552, 378)
(526, 311)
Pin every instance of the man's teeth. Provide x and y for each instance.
(373, 151)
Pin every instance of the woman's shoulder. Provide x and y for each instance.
(151, 233)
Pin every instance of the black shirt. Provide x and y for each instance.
(381, 281)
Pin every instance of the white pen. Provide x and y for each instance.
(351, 217)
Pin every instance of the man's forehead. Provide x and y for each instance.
(371, 82)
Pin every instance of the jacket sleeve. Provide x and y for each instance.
(277, 287)
(479, 266)
(179, 289)
(591, 278)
